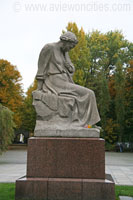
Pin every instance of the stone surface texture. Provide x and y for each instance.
(65, 169)
(64, 189)
(58, 101)
(66, 158)
(43, 130)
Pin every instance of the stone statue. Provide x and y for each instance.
(58, 101)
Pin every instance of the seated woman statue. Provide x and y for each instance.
(58, 100)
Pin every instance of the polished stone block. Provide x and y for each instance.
(64, 189)
(31, 189)
(65, 169)
(66, 158)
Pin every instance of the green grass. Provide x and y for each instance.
(123, 191)
(7, 191)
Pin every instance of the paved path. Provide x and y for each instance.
(12, 165)
(119, 165)
(125, 198)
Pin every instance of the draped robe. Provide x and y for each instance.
(66, 95)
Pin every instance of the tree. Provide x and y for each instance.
(128, 129)
(104, 100)
(80, 55)
(11, 93)
(119, 98)
(28, 111)
(6, 128)
(110, 56)
(103, 64)
(111, 135)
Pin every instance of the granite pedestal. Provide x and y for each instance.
(62, 168)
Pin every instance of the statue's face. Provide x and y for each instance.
(68, 46)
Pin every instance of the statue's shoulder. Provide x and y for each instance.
(46, 52)
(49, 47)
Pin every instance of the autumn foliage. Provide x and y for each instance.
(11, 93)
(104, 63)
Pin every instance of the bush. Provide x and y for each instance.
(6, 128)
(109, 147)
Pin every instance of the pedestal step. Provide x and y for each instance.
(64, 189)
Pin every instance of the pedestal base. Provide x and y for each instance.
(65, 169)
(64, 189)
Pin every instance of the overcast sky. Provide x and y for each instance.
(26, 26)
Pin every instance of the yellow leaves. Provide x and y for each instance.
(110, 130)
(111, 84)
(131, 64)
(10, 88)
(97, 37)
(80, 54)
(115, 55)
(79, 77)
(82, 34)
(73, 28)
(31, 89)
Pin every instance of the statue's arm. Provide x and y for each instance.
(69, 65)
(43, 62)
(39, 84)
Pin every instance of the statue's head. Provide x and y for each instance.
(69, 40)
(69, 36)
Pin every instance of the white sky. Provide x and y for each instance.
(26, 26)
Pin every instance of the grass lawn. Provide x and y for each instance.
(123, 191)
(7, 191)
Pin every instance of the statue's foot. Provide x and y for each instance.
(98, 127)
